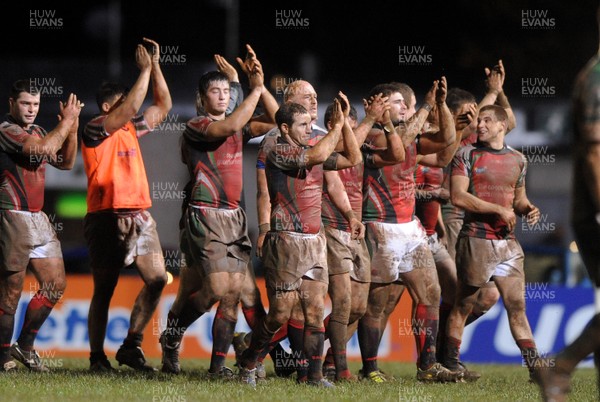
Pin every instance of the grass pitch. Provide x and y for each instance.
(70, 380)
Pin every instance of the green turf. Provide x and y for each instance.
(71, 381)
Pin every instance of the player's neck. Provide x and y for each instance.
(216, 116)
(495, 144)
(21, 123)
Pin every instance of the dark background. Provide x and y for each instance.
(352, 46)
(346, 46)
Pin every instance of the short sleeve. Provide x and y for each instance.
(287, 157)
(94, 130)
(141, 126)
(331, 162)
(268, 141)
(12, 138)
(461, 164)
(196, 129)
(521, 178)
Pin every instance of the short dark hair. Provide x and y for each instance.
(385, 89)
(405, 90)
(108, 90)
(286, 113)
(329, 112)
(498, 111)
(457, 97)
(22, 85)
(207, 78)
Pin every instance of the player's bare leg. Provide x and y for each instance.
(358, 308)
(423, 284)
(466, 298)
(182, 314)
(555, 378)
(358, 303)
(488, 297)
(446, 270)
(252, 306)
(50, 275)
(396, 292)
(312, 299)
(254, 311)
(369, 330)
(336, 323)
(295, 333)
(281, 303)
(105, 280)
(512, 290)
(223, 288)
(11, 286)
(153, 273)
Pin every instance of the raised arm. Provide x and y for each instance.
(132, 103)
(242, 115)
(393, 151)
(409, 130)
(431, 143)
(268, 100)
(374, 110)
(495, 93)
(351, 155)
(50, 145)
(261, 124)
(161, 96)
(444, 157)
(66, 155)
(326, 145)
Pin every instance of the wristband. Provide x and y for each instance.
(264, 228)
(427, 107)
(386, 130)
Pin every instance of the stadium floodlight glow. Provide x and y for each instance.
(71, 205)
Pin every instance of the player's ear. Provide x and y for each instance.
(284, 128)
(198, 100)
(504, 126)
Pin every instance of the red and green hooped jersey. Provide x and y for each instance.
(389, 192)
(451, 213)
(270, 139)
(22, 177)
(493, 177)
(294, 189)
(427, 207)
(352, 178)
(215, 167)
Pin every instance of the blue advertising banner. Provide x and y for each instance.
(557, 315)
